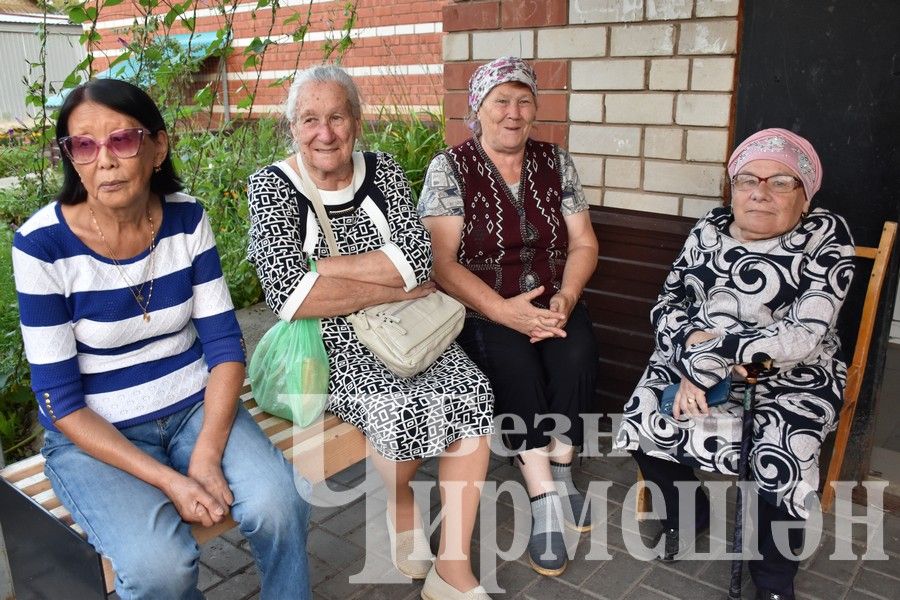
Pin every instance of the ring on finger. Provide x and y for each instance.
(690, 399)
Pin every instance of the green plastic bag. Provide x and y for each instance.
(289, 371)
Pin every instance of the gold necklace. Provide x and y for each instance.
(136, 292)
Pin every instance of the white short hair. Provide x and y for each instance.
(323, 74)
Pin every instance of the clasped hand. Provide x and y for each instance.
(535, 322)
(202, 496)
(690, 400)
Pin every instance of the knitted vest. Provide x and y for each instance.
(514, 244)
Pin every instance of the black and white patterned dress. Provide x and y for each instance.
(778, 297)
(403, 418)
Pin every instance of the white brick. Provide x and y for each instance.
(605, 11)
(639, 108)
(622, 173)
(717, 8)
(663, 142)
(713, 74)
(627, 74)
(698, 207)
(572, 42)
(669, 9)
(494, 44)
(645, 202)
(456, 46)
(605, 139)
(708, 37)
(594, 196)
(642, 40)
(586, 107)
(703, 109)
(707, 145)
(589, 168)
(669, 73)
(679, 178)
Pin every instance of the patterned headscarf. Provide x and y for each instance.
(786, 147)
(501, 70)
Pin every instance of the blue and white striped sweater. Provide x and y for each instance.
(85, 337)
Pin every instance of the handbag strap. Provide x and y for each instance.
(312, 192)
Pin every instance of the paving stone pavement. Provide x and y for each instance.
(339, 535)
(342, 569)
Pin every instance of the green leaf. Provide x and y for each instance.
(77, 14)
(124, 57)
(110, 3)
(257, 46)
(246, 102)
(72, 80)
(189, 23)
(250, 62)
(91, 13)
(204, 96)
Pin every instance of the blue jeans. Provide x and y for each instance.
(137, 527)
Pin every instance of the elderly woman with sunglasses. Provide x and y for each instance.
(764, 279)
(137, 361)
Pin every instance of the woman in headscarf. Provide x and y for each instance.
(761, 279)
(513, 241)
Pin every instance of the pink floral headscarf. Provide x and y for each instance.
(501, 70)
(786, 147)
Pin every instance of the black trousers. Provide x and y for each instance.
(554, 377)
(775, 572)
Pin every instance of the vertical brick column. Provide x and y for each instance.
(640, 92)
(478, 31)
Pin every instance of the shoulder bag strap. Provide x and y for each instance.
(312, 192)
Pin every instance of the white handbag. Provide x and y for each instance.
(407, 336)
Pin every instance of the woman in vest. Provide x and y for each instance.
(513, 241)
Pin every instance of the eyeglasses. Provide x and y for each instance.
(780, 184)
(83, 149)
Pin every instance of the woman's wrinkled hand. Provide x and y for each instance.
(537, 323)
(690, 400)
(208, 473)
(193, 502)
(563, 303)
(420, 291)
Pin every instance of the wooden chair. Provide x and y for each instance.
(317, 452)
(855, 372)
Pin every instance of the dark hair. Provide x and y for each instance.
(124, 98)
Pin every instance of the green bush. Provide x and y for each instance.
(216, 166)
(16, 400)
(412, 138)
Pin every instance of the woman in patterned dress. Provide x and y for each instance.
(386, 256)
(763, 279)
(513, 241)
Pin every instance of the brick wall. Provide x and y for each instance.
(640, 91)
(395, 58)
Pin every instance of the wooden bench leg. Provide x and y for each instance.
(643, 502)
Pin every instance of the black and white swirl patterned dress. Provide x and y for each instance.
(403, 418)
(778, 297)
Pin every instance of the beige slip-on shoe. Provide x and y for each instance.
(436, 588)
(406, 544)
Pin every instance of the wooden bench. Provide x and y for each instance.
(856, 371)
(317, 452)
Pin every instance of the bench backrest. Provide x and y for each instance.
(856, 371)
